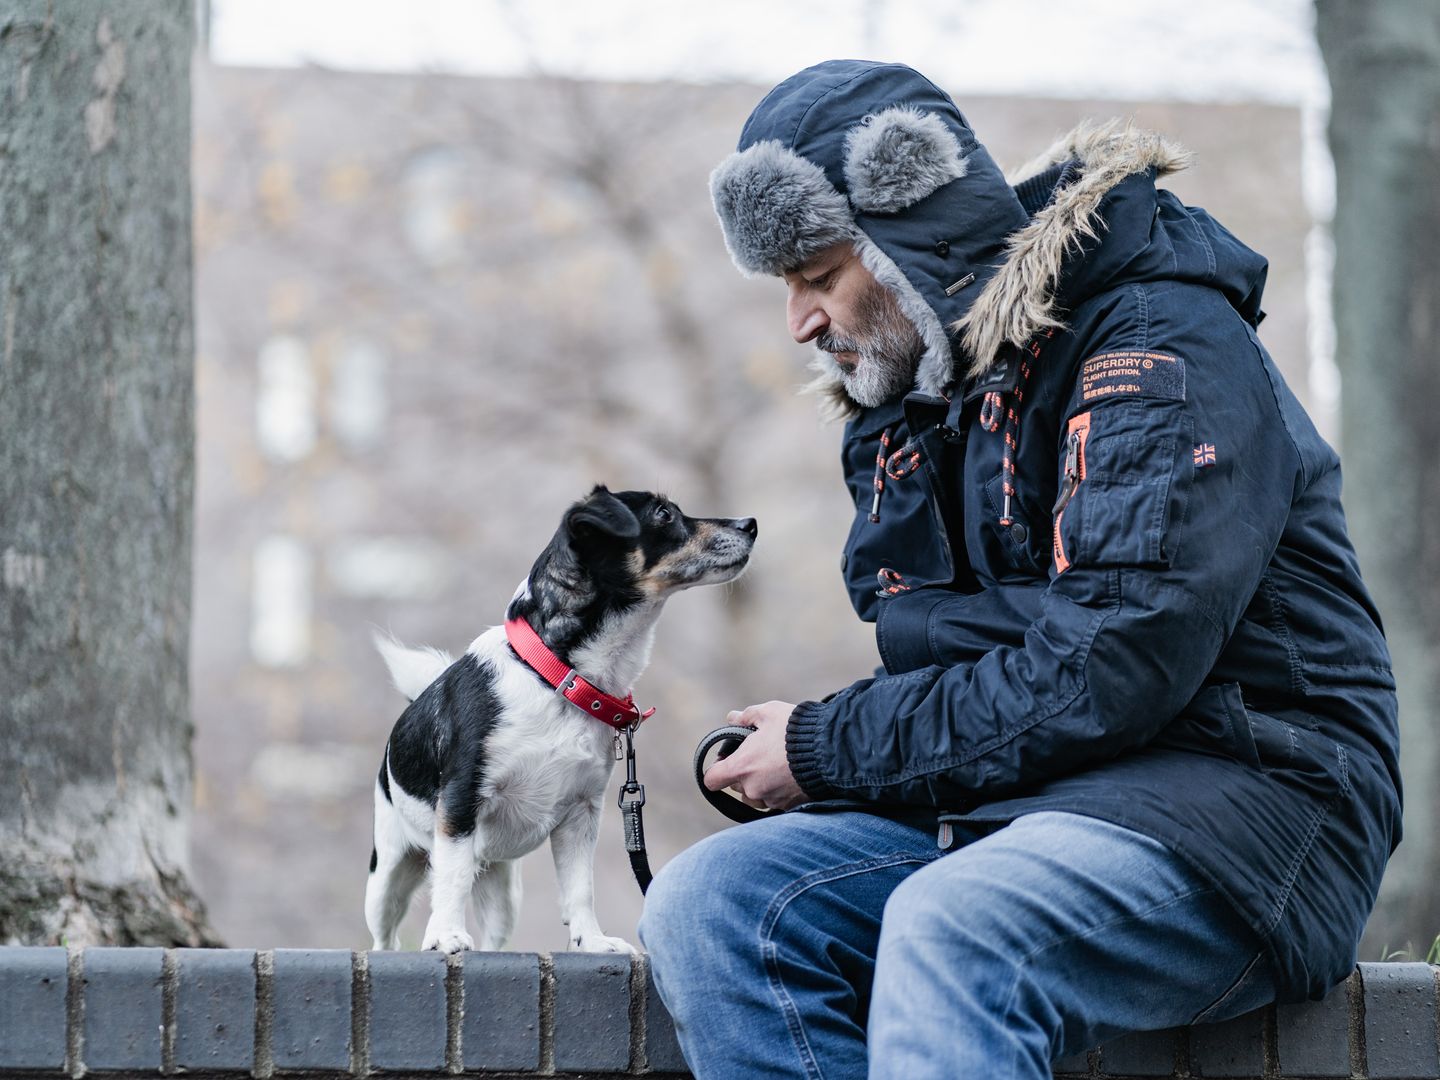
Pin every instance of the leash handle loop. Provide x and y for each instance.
(728, 739)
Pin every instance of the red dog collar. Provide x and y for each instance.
(619, 713)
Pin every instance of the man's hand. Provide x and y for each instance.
(759, 769)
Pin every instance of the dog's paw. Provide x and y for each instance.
(447, 941)
(602, 943)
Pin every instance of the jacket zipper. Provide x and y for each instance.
(1074, 472)
(1071, 480)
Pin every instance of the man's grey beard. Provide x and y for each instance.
(886, 343)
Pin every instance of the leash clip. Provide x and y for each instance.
(635, 790)
(632, 798)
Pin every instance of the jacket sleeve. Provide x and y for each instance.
(937, 626)
(1157, 554)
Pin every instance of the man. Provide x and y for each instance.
(1132, 762)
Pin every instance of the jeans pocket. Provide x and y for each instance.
(1253, 988)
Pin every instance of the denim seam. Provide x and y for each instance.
(770, 952)
(1090, 932)
(791, 1012)
(1230, 991)
(1116, 921)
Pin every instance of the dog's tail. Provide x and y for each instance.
(411, 669)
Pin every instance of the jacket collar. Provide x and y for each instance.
(1022, 299)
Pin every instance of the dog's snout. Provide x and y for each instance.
(747, 525)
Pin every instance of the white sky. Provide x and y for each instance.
(1185, 50)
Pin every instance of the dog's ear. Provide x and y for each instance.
(601, 514)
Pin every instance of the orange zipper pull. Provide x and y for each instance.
(1071, 479)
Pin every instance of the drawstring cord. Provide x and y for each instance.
(902, 462)
(1007, 404)
(879, 474)
(896, 466)
(994, 405)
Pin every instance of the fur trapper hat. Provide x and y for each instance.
(875, 154)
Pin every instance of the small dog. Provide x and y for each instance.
(489, 759)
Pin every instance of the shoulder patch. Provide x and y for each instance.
(1130, 373)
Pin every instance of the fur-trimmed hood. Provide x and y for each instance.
(876, 154)
(1073, 177)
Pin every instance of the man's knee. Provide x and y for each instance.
(730, 889)
(943, 906)
(944, 920)
(693, 890)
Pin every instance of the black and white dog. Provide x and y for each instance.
(489, 758)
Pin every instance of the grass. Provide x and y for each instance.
(1432, 955)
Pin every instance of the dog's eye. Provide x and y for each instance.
(663, 515)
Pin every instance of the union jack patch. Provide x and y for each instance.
(1204, 455)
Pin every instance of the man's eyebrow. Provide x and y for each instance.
(817, 265)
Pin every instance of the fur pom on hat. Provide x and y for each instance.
(896, 157)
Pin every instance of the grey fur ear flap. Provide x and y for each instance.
(601, 513)
(776, 208)
(896, 157)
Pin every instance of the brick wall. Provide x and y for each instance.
(141, 1012)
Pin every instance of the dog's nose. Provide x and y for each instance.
(747, 525)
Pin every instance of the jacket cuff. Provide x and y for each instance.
(806, 728)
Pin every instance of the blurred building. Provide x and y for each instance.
(431, 312)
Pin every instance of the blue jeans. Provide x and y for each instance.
(839, 945)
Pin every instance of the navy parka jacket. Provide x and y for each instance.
(1168, 629)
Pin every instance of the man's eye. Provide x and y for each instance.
(663, 515)
(822, 282)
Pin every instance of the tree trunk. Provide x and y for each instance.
(1384, 64)
(96, 473)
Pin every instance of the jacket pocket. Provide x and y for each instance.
(1301, 757)
(895, 543)
(1115, 489)
(1021, 544)
(1214, 722)
(1217, 722)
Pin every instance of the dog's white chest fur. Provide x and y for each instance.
(543, 760)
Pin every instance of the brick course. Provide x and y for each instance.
(339, 1014)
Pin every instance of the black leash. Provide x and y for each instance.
(632, 800)
(632, 794)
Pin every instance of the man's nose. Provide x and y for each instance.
(807, 320)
